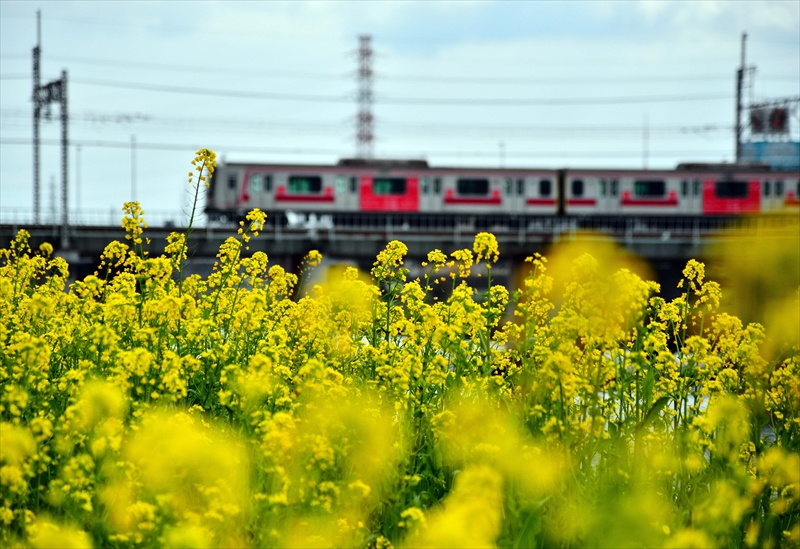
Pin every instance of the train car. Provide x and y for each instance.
(359, 188)
(690, 190)
(365, 187)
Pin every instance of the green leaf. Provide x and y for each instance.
(648, 383)
(657, 406)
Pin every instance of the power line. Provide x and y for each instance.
(547, 81)
(232, 149)
(496, 102)
(219, 93)
(484, 80)
(106, 119)
(189, 68)
(170, 146)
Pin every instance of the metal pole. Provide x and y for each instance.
(739, 78)
(53, 218)
(36, 113)
(133, 168)
(77, 183)
(64, 159)
(645, 143)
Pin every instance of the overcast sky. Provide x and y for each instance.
(559, 84)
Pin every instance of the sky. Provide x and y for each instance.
(483, 83)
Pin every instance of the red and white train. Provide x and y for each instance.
(355, 187)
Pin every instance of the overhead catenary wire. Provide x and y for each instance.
(416, 101)
(232, 149)
(107, 119)
(401, 77)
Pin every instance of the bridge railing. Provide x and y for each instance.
(423, 228)
(664, 228)
(96, 217)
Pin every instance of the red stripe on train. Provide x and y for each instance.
(540, 202)
(490, 201)
(303, 198)
(282, 196)
(628, 201)
(451, 198)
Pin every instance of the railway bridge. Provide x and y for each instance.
(667, 242)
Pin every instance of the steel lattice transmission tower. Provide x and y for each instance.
(43, 96)
(364, 120)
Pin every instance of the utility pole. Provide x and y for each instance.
(77, 183)
(53, 207)
(364, 120)
(36, 112)
(133, 168)
(64, 158)
(645, 141)
(739, 79)
(52, 92)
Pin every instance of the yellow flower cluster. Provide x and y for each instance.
(205, 161)
(139, 408)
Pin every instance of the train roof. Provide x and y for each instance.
(385, 163)
(723, 166)
(419, 164)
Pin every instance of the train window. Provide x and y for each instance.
(731, 189)
(614, 187)
(341, 184)
(520, 187)
(577, 187)
(425, 185)
(648, 187)
(232, 181)
(508, 186)
(684, 188)
(779, 188)
(603, 187)
(473, 186)
(696, 187)
(767, 188)
(305, 184)
(353, 185)
(545, 187)
(267, 183)
(255, 182)
(389, 185)
(437, 186)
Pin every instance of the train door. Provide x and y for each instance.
(782, 194)
(346, 188)
(608, 196)
(793, 194)
(427, 196)
(258, 190)
(230, 185)
(513, 194)
(691, 200)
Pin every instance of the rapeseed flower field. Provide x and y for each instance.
(140, 407)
